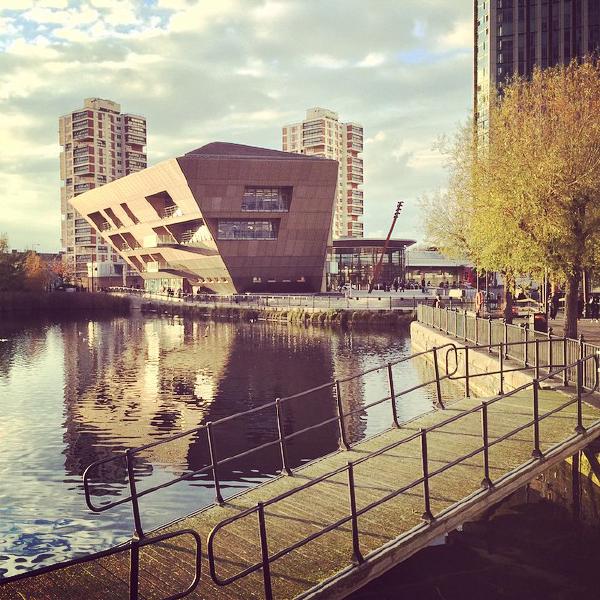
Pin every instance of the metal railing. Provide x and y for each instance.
(427, 474)
(133, 547)
(172, 210)
(446, 355)
(536, 350)
(331, 301)
(277, 412)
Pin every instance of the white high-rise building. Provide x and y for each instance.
(322, 134)
(99, 145)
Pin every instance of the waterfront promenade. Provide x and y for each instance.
(351, 300)
(331, 527)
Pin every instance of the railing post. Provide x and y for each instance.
(550, 357)
(565, 363)
(284, 457)
(134, 569)
(490, 335)
(465, 327)
(138, 532)
(536, 358)
(357, 556)
(582, 355)
(467, 388)
(447, 311)
(501, 359)
(427, 514)
(505, 335)
(526, 351)
(338, 396)
(264, 551)
(438, 386)
(456, 322)
(214, 463)
(579, 428)
(536, 453)
(476, 330)
(486, 481)
(392, 396)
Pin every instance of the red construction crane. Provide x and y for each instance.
(377, 268)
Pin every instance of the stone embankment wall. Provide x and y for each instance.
(480, 362)
(44, 304)
(331, 317)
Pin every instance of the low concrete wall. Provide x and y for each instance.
(480, 361)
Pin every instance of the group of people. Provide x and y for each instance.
(587, 310)
(171, 293)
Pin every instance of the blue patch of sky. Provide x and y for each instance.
(420, 56)
(29, 29)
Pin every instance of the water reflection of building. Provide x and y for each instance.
(131, 382)
(266, 362)
(128, 383)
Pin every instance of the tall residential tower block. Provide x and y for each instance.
(322, 134)
(514, 36)
(99, 145)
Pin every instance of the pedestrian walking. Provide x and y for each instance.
(554, 304)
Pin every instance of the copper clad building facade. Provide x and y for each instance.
(224, 218)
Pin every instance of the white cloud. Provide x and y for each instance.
(460, 36)
(269, 11)
(53, 3)
(73, 17)
(425, 158)
(7, 26)
(373, 59)
(326, 61)
(232, 70)
(199, 16)
(380, 136)
(254, 67)
(20, 83)
(39, 49)
(15, 4)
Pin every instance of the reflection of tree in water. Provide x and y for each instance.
(20, 337)
(123, 390)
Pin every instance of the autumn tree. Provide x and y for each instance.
(62, 269)
(36, 272)
(10, 267)
(532, 190)
(541, 173)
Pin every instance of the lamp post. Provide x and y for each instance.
(377, 268)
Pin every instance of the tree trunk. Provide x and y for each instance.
(509, 282)
(571, 301)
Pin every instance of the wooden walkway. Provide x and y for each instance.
(167, 568)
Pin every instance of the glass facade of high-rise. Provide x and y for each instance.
(514, 36)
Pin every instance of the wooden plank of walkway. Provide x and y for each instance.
(167, 567)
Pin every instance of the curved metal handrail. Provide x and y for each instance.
(259, 508)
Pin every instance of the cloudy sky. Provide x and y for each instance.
(232, 70)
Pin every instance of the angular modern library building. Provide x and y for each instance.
(223, 218)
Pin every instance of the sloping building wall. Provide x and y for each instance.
(226, 218)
